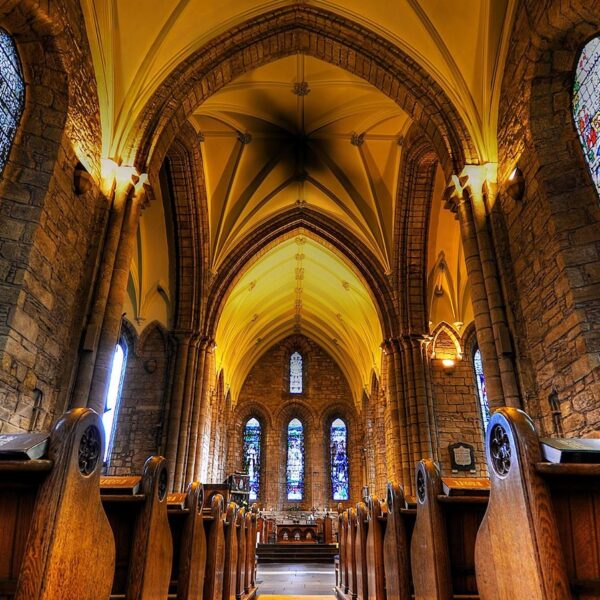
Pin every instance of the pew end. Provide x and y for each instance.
(212, 520)
(41, 501)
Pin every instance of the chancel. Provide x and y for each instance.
(299, 298)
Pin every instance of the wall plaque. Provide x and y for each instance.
(462, 457)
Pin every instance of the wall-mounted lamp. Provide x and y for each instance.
(82, 180)
(448, 364)
(515, 185)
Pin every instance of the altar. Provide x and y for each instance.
(294, 533)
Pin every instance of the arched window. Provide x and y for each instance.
(296, 373)
(481, 389)
(115, 387)
(295, 460)
(586, 105)
(12, 94)
(338, 441)
(252, 435)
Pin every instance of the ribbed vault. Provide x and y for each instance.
(299, 286)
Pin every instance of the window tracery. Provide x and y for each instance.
(295, 460)
(252, 439)
(338, 449)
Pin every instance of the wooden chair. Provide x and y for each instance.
(400, 522)
(189, 543)
(215, 549)
(55, 540)
(443, 540)
(231, 552)
(376, 524)
(540, 537)
(137, 511)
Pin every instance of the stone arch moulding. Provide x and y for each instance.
(327, 230)
(283, 32)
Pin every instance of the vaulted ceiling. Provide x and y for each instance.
(299, 286)
(300, 132)
(136, 44)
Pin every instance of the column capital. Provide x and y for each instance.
(473, 182)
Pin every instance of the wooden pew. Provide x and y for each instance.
(400, 522)
(362, 530)
(246, 563)
(136, 508)
(231, 552)
(251, 546)
(55, 540)
(248, 553)
(215, 549)
(347, 590)
(342, 565)
(540, 537)
(376, 523)
(242, 558)
(443, 541)
(189, 543)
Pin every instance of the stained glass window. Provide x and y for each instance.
(252, 456)
(586, 105)
(115, 386)
(295, 460)
(296, 373)
(481, 389)
(12, 94)
(338, 437)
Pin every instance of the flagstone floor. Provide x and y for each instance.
(283, 581)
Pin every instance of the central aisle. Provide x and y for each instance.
(309, 580)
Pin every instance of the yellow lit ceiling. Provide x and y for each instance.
(299, 285)
(300, 131)
(137, 43)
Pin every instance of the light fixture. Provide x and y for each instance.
(448, 364)
(515, 186)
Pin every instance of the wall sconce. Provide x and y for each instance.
(515, 186)
(448, 364)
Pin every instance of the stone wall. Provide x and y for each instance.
(142, 411)
(49, 235)
(265, 395)
(549, 243)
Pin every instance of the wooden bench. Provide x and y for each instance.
(376, 526)
(362, 530)
(400, 521)
(341, 581)
(443, 540)
(231, 552)
(540, 537)
(215, 548)
(136, 508)
(55, 540)
(189, 543)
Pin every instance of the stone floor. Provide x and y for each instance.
(314, 580)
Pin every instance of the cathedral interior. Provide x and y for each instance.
(326, 274)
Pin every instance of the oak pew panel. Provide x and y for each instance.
(231, 552)
(443, 541)
(252, 547)
(189, 543)
(342, 572)
(396, 544)
(137, 513)
(242, 556)
(42, 503)
(377, 522)
(215, 548)
(248, 565)
(351, 548)
(362, 532)
(520, 547)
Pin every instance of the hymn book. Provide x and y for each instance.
(571, 450)
(23, 446)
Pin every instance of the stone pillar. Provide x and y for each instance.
(184, 340)
(483, 324)
(119, 190)
(111, 323)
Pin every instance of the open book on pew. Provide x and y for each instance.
(23, 446)
(465, 486)
(571, 450)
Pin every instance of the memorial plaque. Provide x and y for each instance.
(462, 457)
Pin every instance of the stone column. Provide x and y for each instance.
(483, 324)
(201, 422)
(111, 323)
(118, 192)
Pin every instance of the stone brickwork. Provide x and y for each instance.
(265, 395)
(141, 415)
(48, 234)
(550, 241)
(456, 409)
